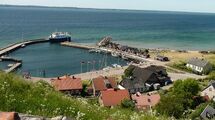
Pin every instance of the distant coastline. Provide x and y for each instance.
(134, 10)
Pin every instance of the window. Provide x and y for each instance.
(210, 89)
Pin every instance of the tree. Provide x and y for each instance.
(129, 71)
(128, 104)
(180, 98)
(170, 105)
(211, 76)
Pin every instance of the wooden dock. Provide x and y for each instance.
(14, 67)
(78, 45)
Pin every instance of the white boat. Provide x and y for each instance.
(23, 45)
(124, 57)
(107, 68)
(116, 66)
(115, 54)
(10, 65)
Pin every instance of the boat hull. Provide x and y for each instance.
(56, 40)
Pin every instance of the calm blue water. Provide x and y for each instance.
(57, 60)
(194, 31)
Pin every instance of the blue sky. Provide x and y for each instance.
(167, 5)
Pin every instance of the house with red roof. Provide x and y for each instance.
(113, 97)
(68, 85)
(102, 83)
(145, 102)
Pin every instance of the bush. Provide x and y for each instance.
(128, 104)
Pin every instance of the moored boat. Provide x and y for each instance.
(59, 37)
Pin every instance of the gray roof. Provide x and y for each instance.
(151, 74)
(198, 62)
(212, 83)
(208, 113)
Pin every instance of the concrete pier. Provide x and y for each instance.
(10, 59)
(15, 46)
(18, 45)
(76, 45)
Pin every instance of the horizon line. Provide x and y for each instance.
(121, 9)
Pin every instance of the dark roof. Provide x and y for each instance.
(198, 62)
(151, 74)
(208, 113)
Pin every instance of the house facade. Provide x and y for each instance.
(68, 85)
(209, 91)
(199, 66)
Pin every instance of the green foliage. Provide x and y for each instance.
(128, 104)
(211, 76)
(196, 113)
(41, 99)
(171, 105)
(181, 66)
(179, 99)
(128, 72)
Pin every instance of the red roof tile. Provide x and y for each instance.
(67, 83)
(146, 100)
(99, 83)
(113, 97)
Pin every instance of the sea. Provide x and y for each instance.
(142, 29)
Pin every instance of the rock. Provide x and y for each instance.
(57, 118)
(30, 117)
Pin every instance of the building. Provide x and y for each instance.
(113, 97)
(208, 113)
(103, 83)
(68, 85)
(144, 79)
(145, 102)
(199, 66)
(209, 91)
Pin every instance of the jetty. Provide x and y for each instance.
(18, 63)
(18, 45)
(77, 45)
(3, 58)
(13, 67)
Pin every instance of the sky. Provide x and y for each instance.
(163, 5)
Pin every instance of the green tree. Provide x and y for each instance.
(170, 105)
(129, 71)
(180, 98)
(128, 104)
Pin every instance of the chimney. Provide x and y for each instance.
(115, 89)
(73, 77)
(58, 78)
